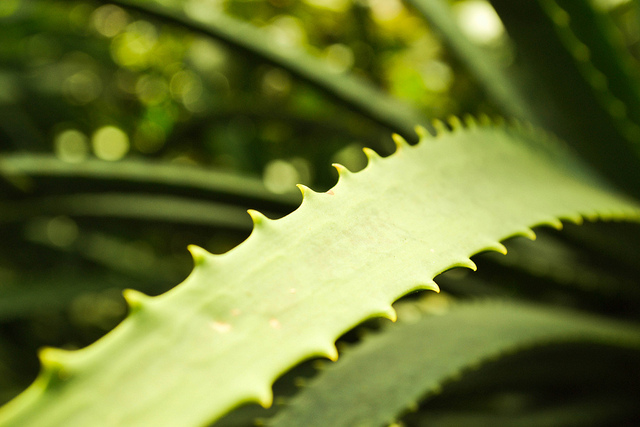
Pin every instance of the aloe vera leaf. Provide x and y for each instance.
(26, 169)
(284, 295)
(599, 52)
(379, 379)
(42, 293)
(130, 206)
(122, 266)
(557, 84)
(560, 383)
(589, 413)
(111, 252)
(351, 91)
(498, 83)
(568, 265)
(621, 250)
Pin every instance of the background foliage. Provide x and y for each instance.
(126, 136)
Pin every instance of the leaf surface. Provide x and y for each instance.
(568, 265)
(128, 206)
(598, 49)
(574, 106)
(378, 380)
(30, 172)
(296, 284)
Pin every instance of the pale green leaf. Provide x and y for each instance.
(295, 285)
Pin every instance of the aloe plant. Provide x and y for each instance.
(545, 332)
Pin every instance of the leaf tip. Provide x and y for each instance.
(576, 219)
(55, 363)
(468, 264)
(553, 222)
(50, 356)
(528, 233)
(470, 121)
(425, 286)
(265, 397)
(258, 218)
(198, 254)
(342, 171)
(330, 352)
(399, 141)
(135, 299)
(455, 123)
(306, 191)
(484, 120)
(496, 247)
(421, 131)
(389, 313)
(372, 156)
(431, 286)
(440, 127)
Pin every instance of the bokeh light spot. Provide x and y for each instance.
(110, 143)
(280, 176)
(206, 55)
(151, 90)
(131, 48)
(71, 146)
(82, 87)
(437, 76)
(276, 82)
(109, 20)
(203, 10)
(339, 57)
(304, 169)
(385, 10)
(479, 21)
(287, 31)
(186, 87)
(61, 231)
(334, 5)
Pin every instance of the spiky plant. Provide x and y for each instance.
(546, 335)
